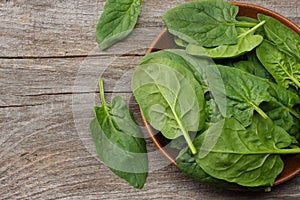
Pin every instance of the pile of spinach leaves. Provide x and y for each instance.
(229, 91)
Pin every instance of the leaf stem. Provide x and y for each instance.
(245, 24)
(259, 111)
(270, 151)
(296, 82)
(101, 88)
(253, 29)
(187, 137)
(288, 151)
(293, 112)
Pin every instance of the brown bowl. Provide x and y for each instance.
(165, 41)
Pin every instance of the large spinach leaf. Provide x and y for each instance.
(282, 36)
(249, 157)
(207, 23)
(247, 41)
(118, 140)
(170, 98)
(283, 67)
(180, 59)
(117, 21)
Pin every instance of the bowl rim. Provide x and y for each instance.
(152, 48)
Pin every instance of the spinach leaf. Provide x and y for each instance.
(170, 98)
(281, 109)
(247, 19)
(212, 111)
(243, 95)
(259, 31)
(199, 69)
(246, 94)
(117, 21)
(283, 67)
(178, 143)
(249, 157)
(207, 23)
(282, 36)
(179, 42)
(176, 57)
(118, 140)
(247, 41)
(253, 66)
(188, 165)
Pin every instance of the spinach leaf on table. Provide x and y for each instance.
(249, 157)
(282, 36)
(283, 67)
(118, 140)
(117, 21)
(207, 23)
(246, 42)
(170, 98)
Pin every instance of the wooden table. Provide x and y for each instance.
(49, 68)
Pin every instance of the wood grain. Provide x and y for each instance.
(66, 28)
(49, 68)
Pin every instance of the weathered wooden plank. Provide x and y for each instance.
(62, 28)
(45, 104)
(21, 80)
(48, 159)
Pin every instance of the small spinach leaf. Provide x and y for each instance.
(247, 41)
(207, 23)
(117, 21)
(118, 140)
(283, 67)
(247, 157)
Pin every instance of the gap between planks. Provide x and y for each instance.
(71, 56)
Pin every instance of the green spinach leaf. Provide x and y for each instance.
(118, 140)
(244, 93)
(179, 42)
(282, 36)
(283, 67)
(247, 41)
(117, 21)
(188, 165)
(170, 98)
(281, 109)
(178, 58)
(253, 66)
(207, 23)
(249, 157)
